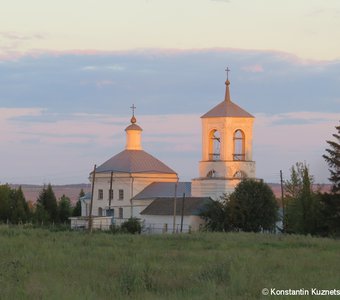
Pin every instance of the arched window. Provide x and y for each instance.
(240, 175)
(214, 145)
(239, 153)
(211, 174)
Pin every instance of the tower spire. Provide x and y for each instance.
(227, 83)
(133, 118)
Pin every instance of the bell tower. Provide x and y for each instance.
(227, 134)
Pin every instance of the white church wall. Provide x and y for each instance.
(164, 224)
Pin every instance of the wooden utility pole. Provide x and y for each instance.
(91, 203)
(182, 212)
(175, 202)
(110, 193)
(283, 204)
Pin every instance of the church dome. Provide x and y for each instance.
(134, 161)
(133, 127)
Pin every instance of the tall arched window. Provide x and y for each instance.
(239, 153)
(214, 145)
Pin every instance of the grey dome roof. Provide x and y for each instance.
(134, 161)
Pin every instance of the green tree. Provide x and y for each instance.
(215, 213)
(5, 202)
(77, 209)
(330, 209)
(13, 206)
(64, 209)
(253, 207)
(47, 202)
(19, 206)
(333, 160)
(303, 211)
(41, 215)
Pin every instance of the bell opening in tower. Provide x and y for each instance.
(239, 153)
(215, 145)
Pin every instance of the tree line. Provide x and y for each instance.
(14, 208)
(304, 208)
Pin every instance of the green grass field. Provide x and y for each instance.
(40, 264)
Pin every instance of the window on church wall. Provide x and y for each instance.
(121, 195)
(100, 212)
(100, 194)
(211, 174)
(120, 213)
(214, 145)
(110, 212)
(239, 153)
(240, 175)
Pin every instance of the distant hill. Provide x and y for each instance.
(31, 192)
(72, 191)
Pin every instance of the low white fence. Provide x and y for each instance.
(105, 223)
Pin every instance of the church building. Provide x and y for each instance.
(133, 183)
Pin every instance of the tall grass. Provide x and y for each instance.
(40, 264)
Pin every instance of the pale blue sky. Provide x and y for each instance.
(70, 70)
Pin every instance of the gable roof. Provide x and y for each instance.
(165, 206)
(164, 189)
(134, 161)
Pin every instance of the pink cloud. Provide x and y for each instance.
(253, 68)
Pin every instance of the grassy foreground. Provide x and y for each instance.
(39, 264)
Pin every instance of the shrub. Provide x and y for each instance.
(132, 225)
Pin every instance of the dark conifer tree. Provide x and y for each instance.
(64, 209)
(47, 202)
(333, 160)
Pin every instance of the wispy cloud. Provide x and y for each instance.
(257, 68)
(115, 68)
(12, 35)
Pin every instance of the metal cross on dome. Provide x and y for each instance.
(227, 70)
(133, 107)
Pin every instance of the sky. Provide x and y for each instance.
(70, 70)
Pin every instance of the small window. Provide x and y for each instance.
(111, 194)
(100, 194)
(121, 195)
(100, 212)
(110, 212)
(120, 213)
